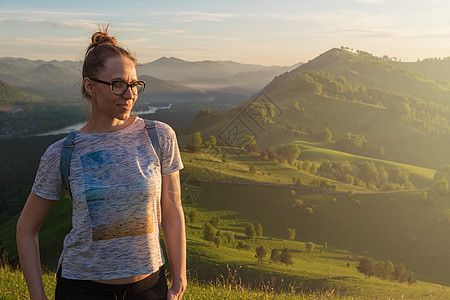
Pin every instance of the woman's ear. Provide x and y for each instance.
(88, 86)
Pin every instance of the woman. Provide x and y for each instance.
(121, 195)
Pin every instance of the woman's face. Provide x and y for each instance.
(105, 104)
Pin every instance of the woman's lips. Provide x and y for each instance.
(125, 106)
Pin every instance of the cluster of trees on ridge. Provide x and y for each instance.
(385, 270)
(219, 238)
(349, 142)
(441, 181)
(366, 174)
(425, 115)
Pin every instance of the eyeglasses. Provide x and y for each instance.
(119, 87)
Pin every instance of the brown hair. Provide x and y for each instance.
(101, 48)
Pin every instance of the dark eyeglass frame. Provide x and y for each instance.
(111, 85)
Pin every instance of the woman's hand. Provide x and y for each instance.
(172, 294)
(174, 233)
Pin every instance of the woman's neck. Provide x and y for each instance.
(95, 125)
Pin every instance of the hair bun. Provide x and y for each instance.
(100, 37)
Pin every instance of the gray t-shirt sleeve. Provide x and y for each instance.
(170, 151)
(48, 181)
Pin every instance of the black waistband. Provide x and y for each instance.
(93, 288)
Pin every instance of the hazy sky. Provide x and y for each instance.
(263, 32)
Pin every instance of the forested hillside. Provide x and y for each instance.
(401, 114)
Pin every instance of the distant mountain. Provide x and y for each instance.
(52, 78)
(178, 69)
(212, 75)
(62, 78)
(158, 90)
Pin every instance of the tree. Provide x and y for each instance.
(197, 138)
(366, 266)
(440, 187)
(297, 203)
(209, 232)
(249, 144)
(193, 148)
(275, 255)
(410, 278)
(286, 257)
(289, 234)
(325, 135)
(400, 273)
(261, 253)
(296, 106)
(389, 270)
(231, 237)
(250, 231)
(401, 177)
(193, 215)
(252, 168)
(272, 154)
(352, 143)
(288, 152)
(379, 270)
(309, 247)
(217, 241)
(214, 221)
(442, 174)
(263, 112)
(309, 211)
(225, 158)
(263, 154)
(212, 140)
(259, 230)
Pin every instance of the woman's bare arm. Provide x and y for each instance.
(174, 233)
(30, 221)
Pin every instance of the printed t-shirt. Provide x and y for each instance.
(115, 179)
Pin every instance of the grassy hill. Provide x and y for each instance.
(379, 101)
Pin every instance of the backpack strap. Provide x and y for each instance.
(151, 128)
(66, 155)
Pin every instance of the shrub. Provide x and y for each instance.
(309, 247)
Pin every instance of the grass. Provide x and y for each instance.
(13, 286)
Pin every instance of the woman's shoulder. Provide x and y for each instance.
(53, 152)
(55, 148)
(163, 129)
